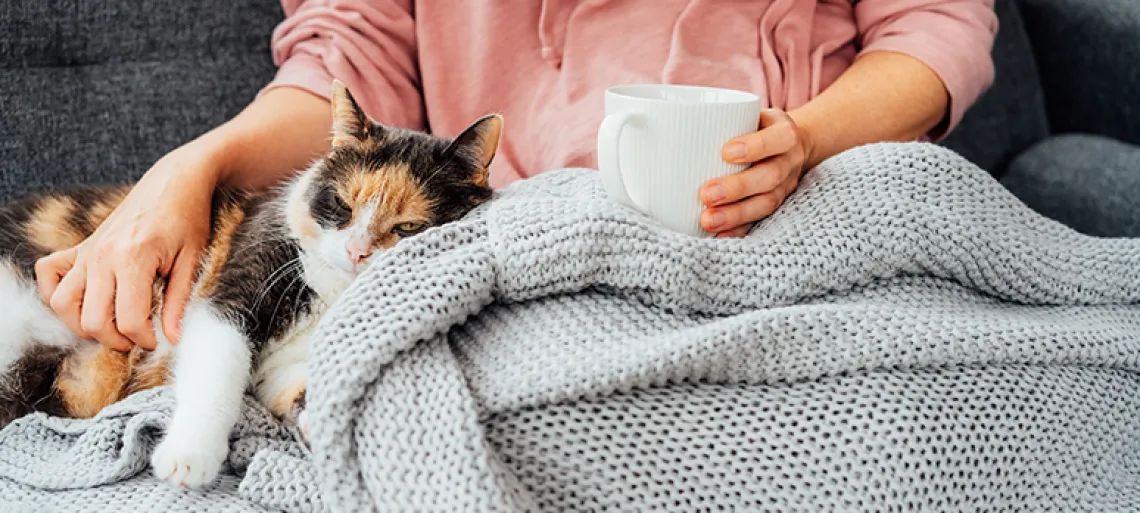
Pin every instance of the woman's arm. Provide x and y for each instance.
(281, 131)
(883, 96)
(102, 288)
(920, 68)
(370, 45)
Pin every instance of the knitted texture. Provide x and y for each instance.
(102, 464)
(902, 335)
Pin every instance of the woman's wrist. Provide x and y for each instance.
(281, 131)
(808, 136)
(208, 157)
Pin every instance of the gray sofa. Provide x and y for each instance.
(95, 92)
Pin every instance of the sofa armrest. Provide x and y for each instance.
(1088, 53)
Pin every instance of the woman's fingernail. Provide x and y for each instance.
(736, 151)
(714, 193)
(716, 219)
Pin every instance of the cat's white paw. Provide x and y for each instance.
(189, 461)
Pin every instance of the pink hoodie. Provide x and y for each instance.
(544, 64)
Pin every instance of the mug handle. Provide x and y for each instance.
(609, 160)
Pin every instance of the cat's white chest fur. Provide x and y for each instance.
(279, 375)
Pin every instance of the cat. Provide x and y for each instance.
(275, 261)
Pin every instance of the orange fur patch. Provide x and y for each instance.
(298, 214)
(157, 293)
(390, 184)
(148, 374)
(51, 228)
(91, 379)
(283, 403)
(397, 195)
(99, 212)
(226, 221)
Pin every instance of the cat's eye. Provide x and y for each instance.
(408, 229)
(330, 209)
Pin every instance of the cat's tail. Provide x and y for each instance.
(28, 384)
(33, 346)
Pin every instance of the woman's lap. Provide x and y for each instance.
(1088, 182)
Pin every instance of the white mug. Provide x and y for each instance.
(660, 143)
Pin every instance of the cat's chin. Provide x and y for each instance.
(341, 272)
(326, 278)
(342, 266)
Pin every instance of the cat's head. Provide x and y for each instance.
(379, 185)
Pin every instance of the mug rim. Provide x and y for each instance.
(620, 90)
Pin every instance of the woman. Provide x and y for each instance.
(837, 74)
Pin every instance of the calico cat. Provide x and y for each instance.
(274, 263)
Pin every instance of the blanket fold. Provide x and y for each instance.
(888, 257)
(902, 334)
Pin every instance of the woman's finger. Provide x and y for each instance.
(67, 299)
(764, 177)
(178, 289)
(97, 313)
(739, 231)
(789, 186)
(777, 135)
(51, 269)
(133, 301)
(745, 211)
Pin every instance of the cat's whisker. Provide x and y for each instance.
(268, 286)
(16, 250)
(273, 277)
(285, 294)
(272, 280)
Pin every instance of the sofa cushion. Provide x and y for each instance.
(40, 33)
(1088, 53)
(1087, 182)
(95, 92)
(1009, 117)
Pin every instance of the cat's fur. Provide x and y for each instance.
(274, 263)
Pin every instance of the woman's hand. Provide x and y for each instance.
(102, 288)
(779, 153)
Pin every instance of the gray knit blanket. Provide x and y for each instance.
(902, 335)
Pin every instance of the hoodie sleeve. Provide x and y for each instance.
(370, 45)
(953, 37)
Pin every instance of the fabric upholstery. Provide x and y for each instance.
(1091, 183)
(95, 92)
(1009, 117)
(1088, 53)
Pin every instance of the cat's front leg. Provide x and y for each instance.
(297, 414)
(211, 371)
(281, 386)
(283, 392)
(280, 389)
(280, 375)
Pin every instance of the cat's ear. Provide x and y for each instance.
(350, 124)
(482, 140)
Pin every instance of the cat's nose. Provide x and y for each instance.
(357, 255)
